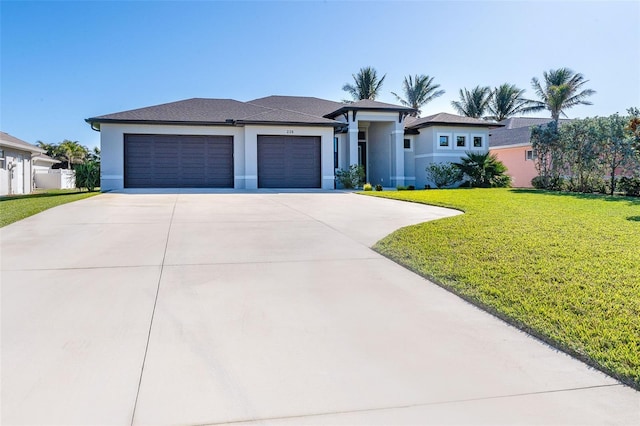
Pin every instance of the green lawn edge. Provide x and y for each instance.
(632, 380)
(14, 208)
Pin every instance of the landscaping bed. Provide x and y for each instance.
(564, 267)
(16, 207)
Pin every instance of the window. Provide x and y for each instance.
(477, 141)
(1, 154)
(335, 153)
(461, 141)
(530, 155)
(362, 135)
(443, 140)
(407, 144)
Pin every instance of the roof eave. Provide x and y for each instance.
(373, 109)
(288, 123)
(32, 148)
(442, 123)
(230, 122)
(92, 121)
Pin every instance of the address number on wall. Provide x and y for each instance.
(289, 132)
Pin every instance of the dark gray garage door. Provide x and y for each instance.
(289, 162)
(176, 161)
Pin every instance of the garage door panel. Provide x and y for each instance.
(289, 162)
(176, 161)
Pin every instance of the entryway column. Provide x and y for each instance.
(352, 139)
(397, 138)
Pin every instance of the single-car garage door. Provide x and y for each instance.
(289, 162)
(178, 161)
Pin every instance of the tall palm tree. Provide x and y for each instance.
(507, 100)
(418, 91)
(366, 84)
(561, 90)
(473, 104)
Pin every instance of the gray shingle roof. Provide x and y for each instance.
(11, 141)
(305, 104)
(444, 118)
(212, 111)
(516, 131)
(189, 110)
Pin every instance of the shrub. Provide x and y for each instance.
(367, 187)
(411, 187)
(630, 185)
(553, 183)
(401, 188)
(351, 178)
(443, 174)
(88, 175)
(484, 170)
(378, 187)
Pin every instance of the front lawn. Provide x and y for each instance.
(564, 267)
(16, 207)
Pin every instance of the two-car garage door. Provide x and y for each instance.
(178, 161)
(196, 161)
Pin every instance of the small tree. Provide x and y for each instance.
(351, 178)
(443, 174)
(615, 146)
(544, 142)
(88, 175)
(633, 127)
(484, 170)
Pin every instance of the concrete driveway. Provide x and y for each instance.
(266, 308)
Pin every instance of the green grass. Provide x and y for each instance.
(16, 207)
(563, 267)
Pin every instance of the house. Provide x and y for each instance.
(18, 160)
(512, 145)
(277, 142)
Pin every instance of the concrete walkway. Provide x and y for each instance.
(265, 308)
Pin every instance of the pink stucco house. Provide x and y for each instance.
(511, 144)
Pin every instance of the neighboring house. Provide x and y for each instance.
(277, 142)
(512, 145)
(16, 164)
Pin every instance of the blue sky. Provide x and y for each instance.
(62, 62)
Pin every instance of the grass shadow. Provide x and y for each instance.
(38, 195)
(634, 218)
(634, 201)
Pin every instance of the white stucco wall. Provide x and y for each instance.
(427, 149)
(20, 182)
(380, 154)
(409, 161)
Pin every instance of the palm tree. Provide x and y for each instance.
(72, 152)
(507, 100)
(484, 170)
(418, 91)
(366, 84)
(562, 90)
(473, 104)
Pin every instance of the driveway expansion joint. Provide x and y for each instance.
(406, 406)
(153, 312)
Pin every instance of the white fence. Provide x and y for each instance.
(55, 179)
